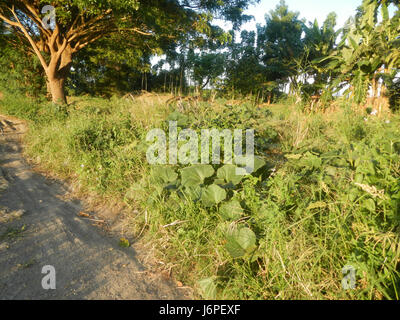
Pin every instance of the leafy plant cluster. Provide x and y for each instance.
(332, 197)
(334, 201)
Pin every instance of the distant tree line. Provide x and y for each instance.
(109, 47)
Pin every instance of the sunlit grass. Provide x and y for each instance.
(309, 216)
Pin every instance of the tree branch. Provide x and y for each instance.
(25, 32)
(34, 16)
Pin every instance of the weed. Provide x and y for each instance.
(12, 233)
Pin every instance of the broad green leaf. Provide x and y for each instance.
(163, 175)
(228, 173)
(359, 178)
(353, 194)
(220, 182)
(258, 162)
(193, 193)
(134, 189)
(195, 175)
(208, 288)
(212, 195)
(240, 242)
(231, 210)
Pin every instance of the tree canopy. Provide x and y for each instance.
(106, 47)
(80, 23)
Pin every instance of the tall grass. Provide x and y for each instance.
(328, 197)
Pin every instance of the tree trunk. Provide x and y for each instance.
(57, 73)
(57, 90)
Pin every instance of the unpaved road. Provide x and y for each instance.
(38, 228)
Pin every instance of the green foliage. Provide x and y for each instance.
(231, 210)
(213, 195)
(280, 42)
(208, 288)
(366, 51)
(227, 173)
(164, 175)
(96, 40)
(240, 242)
(325, 192)
(20, 70)
(195, 175)
(333, 200)
(207, 68)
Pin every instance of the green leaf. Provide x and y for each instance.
(240, 242)
(134, 189)
(220, 182)
(354, 44)
(258, 162)
(195, 175)
(163, 175)
(365, 66)
(213, 195)
(369, 204)
(310, 161)
(359, 178)
(208, 288)
(228, 173)
(353, 194)
(193, 193)
(231, 210)
(385, 12)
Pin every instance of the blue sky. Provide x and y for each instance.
(309, 9)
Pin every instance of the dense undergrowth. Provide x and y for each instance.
(326, 193)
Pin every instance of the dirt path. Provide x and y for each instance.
(38, 228)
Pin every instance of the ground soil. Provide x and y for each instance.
(39, 226)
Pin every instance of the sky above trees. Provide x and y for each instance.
(309, 9)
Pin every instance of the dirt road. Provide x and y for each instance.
(38, 228)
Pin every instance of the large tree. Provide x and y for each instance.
(78, 23)
(280, 42)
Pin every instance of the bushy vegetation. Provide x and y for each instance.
(325, 194)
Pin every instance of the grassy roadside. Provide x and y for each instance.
(327, 194)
